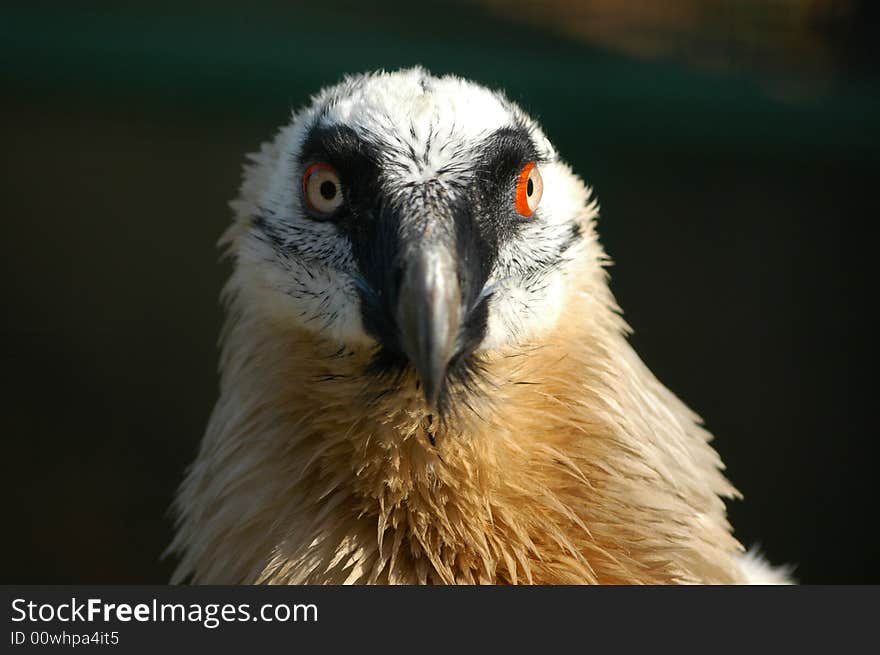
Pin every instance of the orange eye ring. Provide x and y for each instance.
(321, 188)
(529, 188)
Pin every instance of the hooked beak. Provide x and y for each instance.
(429, 316)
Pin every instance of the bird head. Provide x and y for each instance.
(427, 220)
(411, 245)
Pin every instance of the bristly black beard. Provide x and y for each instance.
(466, 379)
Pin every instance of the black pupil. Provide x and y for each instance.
(328, 190)
(530, 187)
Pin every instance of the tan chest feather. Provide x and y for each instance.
(581, 468)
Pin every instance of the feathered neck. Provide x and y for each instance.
(572, 464)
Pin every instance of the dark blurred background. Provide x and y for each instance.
(733, 146)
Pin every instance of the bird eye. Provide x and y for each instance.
(322, 189)
(529, 187)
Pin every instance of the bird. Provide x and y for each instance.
(424, 375)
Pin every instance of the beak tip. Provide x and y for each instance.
(432, 394)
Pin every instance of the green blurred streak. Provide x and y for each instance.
(235, 60)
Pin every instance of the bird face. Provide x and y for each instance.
(428, 219)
